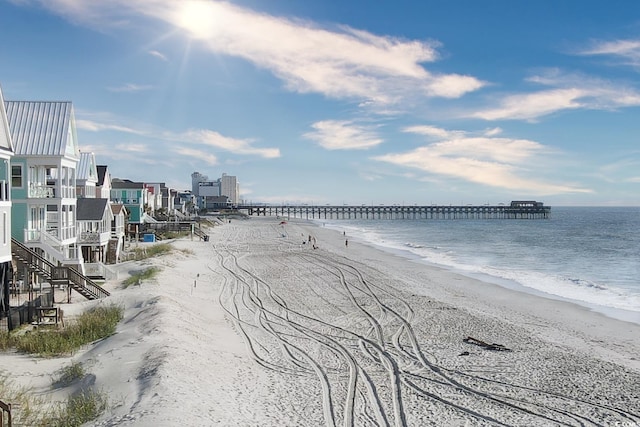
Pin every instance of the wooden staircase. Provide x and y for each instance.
(56, 275)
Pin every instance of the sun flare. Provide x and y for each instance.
(197, 17)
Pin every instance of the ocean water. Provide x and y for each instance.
(589, 256)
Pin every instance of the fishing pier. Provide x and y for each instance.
(514, 210)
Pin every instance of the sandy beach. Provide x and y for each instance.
(257, 328)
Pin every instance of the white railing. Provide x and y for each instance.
(53, 246)
(98, 269)
(117, 231)
(94, 237)
(41, 191)
(69, 192)
(67, 233)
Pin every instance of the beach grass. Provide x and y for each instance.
(142, 253)
(97, 323)
(79, 409)
(30, 410)
(137, 277)
(69, 374)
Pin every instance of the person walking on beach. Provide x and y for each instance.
(346, 243)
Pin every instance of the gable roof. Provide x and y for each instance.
(42, 128)
(116, 208)
(87, 167)
(102, 172)
(5, 135)
(91, 209)
(118, 184)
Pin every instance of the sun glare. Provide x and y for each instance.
(197, 17)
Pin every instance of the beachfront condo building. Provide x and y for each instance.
(210, 193)
(230, 187)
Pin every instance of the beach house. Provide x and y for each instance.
(103, 186)
(6, 152)
(101, 222)
(95, 219)
(43, 176)
(135, 198)
(87, 176)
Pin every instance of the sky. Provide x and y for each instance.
(345, 102)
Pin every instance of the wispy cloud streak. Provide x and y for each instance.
(567, 92)
(343, 135)
(628, 51)
(495, 162)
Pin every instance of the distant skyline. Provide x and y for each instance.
(359, 102)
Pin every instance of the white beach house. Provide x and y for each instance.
(43, 176)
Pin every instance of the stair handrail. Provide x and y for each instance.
(86, 283)
(33, 258)
(79, 281)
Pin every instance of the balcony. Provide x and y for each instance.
(51, 244)
(41, 191)
(49, 191)
(94, 238)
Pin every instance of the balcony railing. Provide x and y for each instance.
(98, 269)
(117, 231)
(94, 237)
(41, 191)
(67, 253)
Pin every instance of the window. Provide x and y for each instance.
(16, 176)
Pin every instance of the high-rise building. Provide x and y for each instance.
(196, 179)
(230, 187)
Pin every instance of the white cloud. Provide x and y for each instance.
(343, 63)
(130, 87)
(453, 85)
(158, 55)
(94, 126)
(567, 92)
(495, 162)
(433, 131)
(195, 136)
(208, 158)
(533, 105)
(233, 145)
(132, 148)
(343, 135)
(493, 131)
(627, 50)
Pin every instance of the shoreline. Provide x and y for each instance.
(620, 314)
(253, 328)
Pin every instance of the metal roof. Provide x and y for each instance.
(5, 136)
(86, 168)
(41, 128)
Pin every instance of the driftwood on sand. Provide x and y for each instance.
(486, 346)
